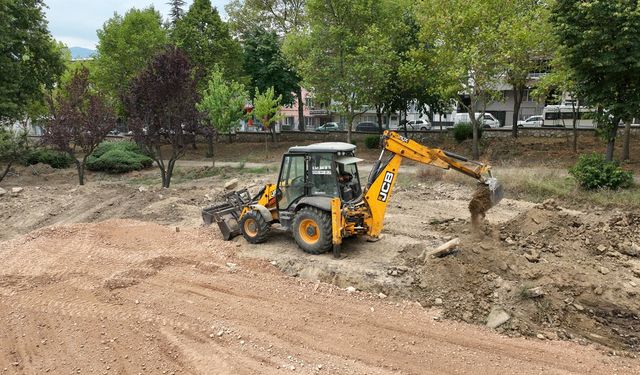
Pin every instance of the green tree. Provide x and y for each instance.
(525, 46)
(266, 108)
(206, 40)
(29, 57)
(125, 46)
(279, 16)
(176, 11)
(464, 42)
(331, 56)
(13, 146)
(267, 67)
(223, 103)
(602, 46)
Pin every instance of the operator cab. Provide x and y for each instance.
(318, 172)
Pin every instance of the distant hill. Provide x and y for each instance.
(81, 53)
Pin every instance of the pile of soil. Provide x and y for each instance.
(557, 274)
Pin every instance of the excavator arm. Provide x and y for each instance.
(384, 174)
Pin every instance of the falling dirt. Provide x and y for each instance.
(479, 205)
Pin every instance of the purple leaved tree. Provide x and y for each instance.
(161, 105)
(80, 119)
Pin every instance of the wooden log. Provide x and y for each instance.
(442, 250)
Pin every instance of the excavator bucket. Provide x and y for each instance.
(495, 190)
(227, 214)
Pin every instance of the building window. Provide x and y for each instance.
(308, 101)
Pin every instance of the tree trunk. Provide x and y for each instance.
(611, 140)
(349, 126)
(230, 137)
(474, 148)
(300, 109)
(210, 145)
(627, 137)
(576, 113)
(167, 177)
(80, 168)
(518, 94)
(163, 172)
(379, 116)
(6, 171)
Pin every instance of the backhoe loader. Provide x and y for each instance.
(319, 199)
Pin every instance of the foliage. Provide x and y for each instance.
(80, 120)
(281, 16)
(176, 12)
(602, 46)
(464, 42)
(266, 66)
(333, 55)
(13, 145)
(118, 157)
(464, 131)
(266, 107)
(206, 40)
(594, 172)
(125, 46)
(29, 57)
(161, 105)
(55, 159)
(372, 141)
(223, 103)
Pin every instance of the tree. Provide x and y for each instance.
(176, 12)
(602, 46)
(80, 119)
(464, 42)
(13, 145)
(223, 103)
(125, 46)
(331, 55)
(526, 47)
(29, 57)
(161, 105)
(267, 67)
(266, 108)
(206, 40)
(279, 16)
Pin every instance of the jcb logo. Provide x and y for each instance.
(386, 186)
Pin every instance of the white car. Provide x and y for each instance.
(488, 121)
(531, 122)
(422, 124)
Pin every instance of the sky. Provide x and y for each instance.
(74, 22)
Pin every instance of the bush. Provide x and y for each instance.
(372, 141)
(55, 159)
(464, 131)
(594, 172)
(118, 157)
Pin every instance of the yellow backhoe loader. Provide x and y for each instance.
(319, 198)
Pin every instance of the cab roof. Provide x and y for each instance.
(329, 147)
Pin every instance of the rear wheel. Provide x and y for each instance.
(312, 230)
(254, 227)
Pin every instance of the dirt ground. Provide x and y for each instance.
(120, 277)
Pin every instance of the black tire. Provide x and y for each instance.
(313, 238)
(254, 227)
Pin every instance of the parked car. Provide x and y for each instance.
(367, 126)
(421, 124)
(489, 121)
(328, 127)
(533, 121)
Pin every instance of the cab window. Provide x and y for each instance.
(323, 180)
(292, 180)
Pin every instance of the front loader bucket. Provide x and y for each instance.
(495, 190)
(488, 194)
(227, 214)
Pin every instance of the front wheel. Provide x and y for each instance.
(312, 230)
(254, 227)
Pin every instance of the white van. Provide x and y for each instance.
(489, 121)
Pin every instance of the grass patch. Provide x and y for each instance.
(182, 175)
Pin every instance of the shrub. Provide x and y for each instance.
(464, 131)
(118, 157)
(592, 171)
(372, 141)
(55, 159)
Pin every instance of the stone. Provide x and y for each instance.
(220, 333)
(535, 292)
(602, 248)
(631, 250)
(541, 336)
(497, 317)
(350, 289)
(636, 271)
(382, 295)
(438, 301)
(16, 190)
(142, 189)
(2, 192)
(231, 184)
(603, 270)
(578, 307)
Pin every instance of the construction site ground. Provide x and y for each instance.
(118, 276)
